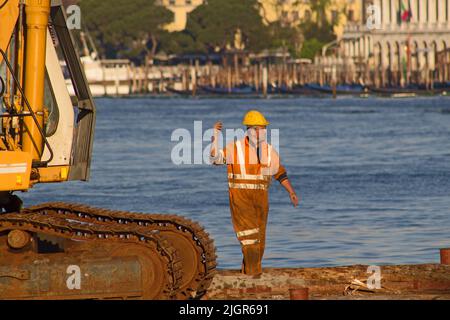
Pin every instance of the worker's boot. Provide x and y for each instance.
(252, 260)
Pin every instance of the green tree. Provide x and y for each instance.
(317, 32)
(286, 37)
(311, 47)
(180, 43)
(214, 24)
(126, 28)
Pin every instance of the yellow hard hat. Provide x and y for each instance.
(254, 118)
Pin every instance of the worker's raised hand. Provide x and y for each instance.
(218, 126)
(294, 199)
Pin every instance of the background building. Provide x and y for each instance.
(294, 12)
(413, 37)
(289, 12)
(180, 9)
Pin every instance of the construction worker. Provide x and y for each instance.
(251, 164)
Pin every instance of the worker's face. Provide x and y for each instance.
(257, 133)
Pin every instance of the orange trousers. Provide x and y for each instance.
(249, 212)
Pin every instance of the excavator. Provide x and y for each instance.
(60, 250)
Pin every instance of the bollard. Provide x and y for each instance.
(445, 256)
(299, 294)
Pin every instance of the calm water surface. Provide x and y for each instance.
(373, 174)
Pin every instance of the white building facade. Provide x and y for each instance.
(400, 51)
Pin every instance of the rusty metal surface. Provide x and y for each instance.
(156, 256)
(196, 248)
(18, 239)
(181, 246)
(47, 278)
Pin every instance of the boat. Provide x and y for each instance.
(404, 95)
(106, 77)
(411, 90)
(441, 87)
(239, 90)
(350, 89)
(198, 91)
(299, 90)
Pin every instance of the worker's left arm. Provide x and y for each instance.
(289, 188)
(281, 176)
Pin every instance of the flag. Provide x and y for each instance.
(406, 13)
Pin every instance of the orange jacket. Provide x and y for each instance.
(249, 166)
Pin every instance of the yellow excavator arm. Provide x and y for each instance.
(46, 134)
(9, 12)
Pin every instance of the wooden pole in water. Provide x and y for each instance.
(236, 70)
(197, 73)
(255, 77)
(229, 79)
(193, 80)
(294, 74)
(279, 70)
(321, 73)
(265, 79)
(161, 81)
(213, 79)
(210, 73)
(184, 86)
(260, 76)
(333, 80)
(300, 74)
(284, 74)
(137, 73)
(143, 75)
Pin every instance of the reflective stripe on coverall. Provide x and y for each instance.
(249, 178)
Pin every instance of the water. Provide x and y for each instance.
(373, 174)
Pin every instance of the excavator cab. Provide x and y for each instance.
(72, 251)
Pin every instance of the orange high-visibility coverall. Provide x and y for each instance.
(249, 177)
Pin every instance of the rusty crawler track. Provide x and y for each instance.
(199, 280)
(37, 221)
